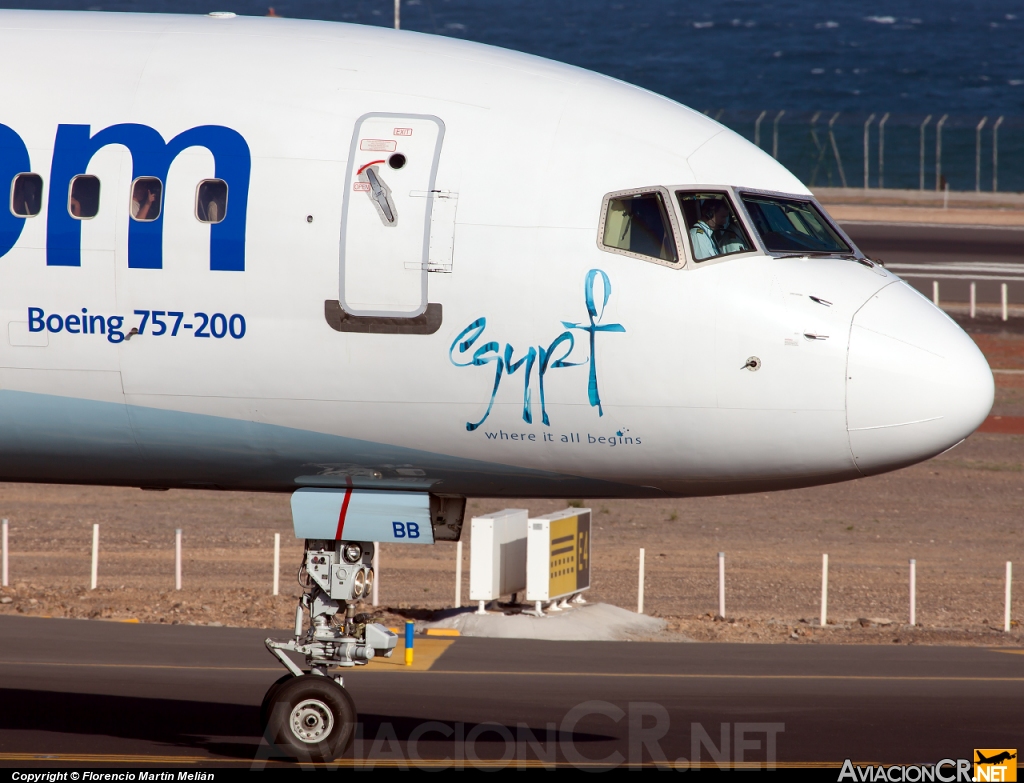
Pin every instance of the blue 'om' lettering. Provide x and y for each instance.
(14, 160)
(151, 157)
(544, 358)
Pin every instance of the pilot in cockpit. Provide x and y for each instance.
(713, 215)
(712, 235)
(728, 239)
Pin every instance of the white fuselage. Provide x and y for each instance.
(350, 348)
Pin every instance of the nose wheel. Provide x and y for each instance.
(310, 718)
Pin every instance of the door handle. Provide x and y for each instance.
(379, 193)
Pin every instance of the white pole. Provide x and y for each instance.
(881, 150)
(974, 298)
(458, 575)
(95, 554)
(398, 14)
(913, 592)
(935, 292)
(177, 559)
(640, 587)
(923, 125)
(757, 128)
(867, 147)
(1006, 301)
(995, 154)
(824, 590)
(1006, 611)
(721, 585)
(277, 563)
(938, 150)
(376, 572)
(4, 581)
(977, 154)
(775, 134)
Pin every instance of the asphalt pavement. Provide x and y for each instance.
(88, 693)
(954, 256)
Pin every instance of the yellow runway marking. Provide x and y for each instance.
(144, 666)
(427, 658)
(430, 650)
(105, 758)
(427, 651)
(680, 676)
(89, 758)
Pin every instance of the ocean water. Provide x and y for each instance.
(737, 58)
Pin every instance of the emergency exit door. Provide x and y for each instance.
(385, 241)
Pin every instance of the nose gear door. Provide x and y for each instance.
(386, 217)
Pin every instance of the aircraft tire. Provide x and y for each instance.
(269, 698)
(312, 718)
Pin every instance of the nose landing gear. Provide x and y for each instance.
(309, 715)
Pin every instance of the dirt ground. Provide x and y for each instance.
(960, 515)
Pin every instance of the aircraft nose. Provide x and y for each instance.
(916, 384)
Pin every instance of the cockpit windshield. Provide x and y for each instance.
(712, 225)
(789, 225)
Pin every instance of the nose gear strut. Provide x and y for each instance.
(310, 715)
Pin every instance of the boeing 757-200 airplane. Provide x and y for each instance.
(385, 272)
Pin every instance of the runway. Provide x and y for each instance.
(953, 255)
(79, 693)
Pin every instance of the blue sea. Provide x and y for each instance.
(838, 61)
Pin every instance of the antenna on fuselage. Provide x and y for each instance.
(398, 14)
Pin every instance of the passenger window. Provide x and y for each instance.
(712, 226)
(639, 224)
(147, 197)
(84, 199)
(27, 195)
(212, 201)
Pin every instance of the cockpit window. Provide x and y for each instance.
(639, 224)
(711, 225)
(789, 225)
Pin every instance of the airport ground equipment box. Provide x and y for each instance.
(497, 554)
(558, 555)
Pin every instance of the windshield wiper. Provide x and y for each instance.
(821, 254)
